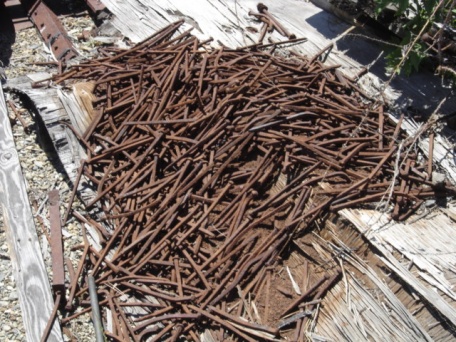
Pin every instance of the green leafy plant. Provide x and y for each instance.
(419, 18)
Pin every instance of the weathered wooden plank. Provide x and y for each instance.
(52, 113)
(371, 224)
(28, 266)
(374, 322)
(425, 243)
(226, 21)
(359, 308)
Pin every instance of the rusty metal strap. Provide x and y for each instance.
(52, 31)
(96, 6)
(58, 271)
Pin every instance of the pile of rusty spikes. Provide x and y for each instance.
(207, 163)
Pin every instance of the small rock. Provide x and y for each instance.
(438, 179)
(6, 327)
(429, 203)
(13, 296)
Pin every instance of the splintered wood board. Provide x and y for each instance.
(426, 242)
(29, 270)
(357, 308)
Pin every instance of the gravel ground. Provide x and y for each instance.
(42, 172)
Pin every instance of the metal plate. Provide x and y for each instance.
(52, 31)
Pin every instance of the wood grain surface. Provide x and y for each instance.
(32, 283)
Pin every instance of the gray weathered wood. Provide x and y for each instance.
(28, 266)
(370, 224)
(53, 113)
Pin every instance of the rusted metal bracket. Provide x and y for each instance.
(58, 271)
(52, 31)
(96, 6)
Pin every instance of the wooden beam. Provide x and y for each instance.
(29, 270)
(429, 295)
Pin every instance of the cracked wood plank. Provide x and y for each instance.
(29, 270)
(376, 227)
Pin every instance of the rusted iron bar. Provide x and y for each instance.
(51, 30)
(18, 116)
(95, 310)
(58, 270)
